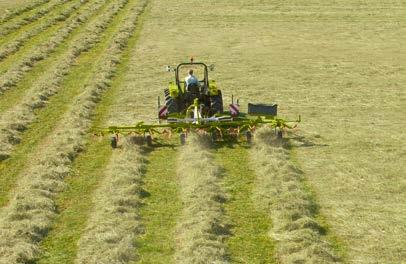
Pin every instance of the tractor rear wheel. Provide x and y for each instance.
(170, 102)
(217, 103)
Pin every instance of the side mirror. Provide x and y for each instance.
(211, 67)
(168, 68)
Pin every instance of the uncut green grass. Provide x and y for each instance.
(75, 203)
(33, 139)
(249, 241)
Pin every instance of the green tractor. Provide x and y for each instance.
(198, 107)
(180, 95)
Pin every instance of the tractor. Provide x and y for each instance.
(179, 95)
(198, 107)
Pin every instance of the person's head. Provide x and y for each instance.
(191, 72)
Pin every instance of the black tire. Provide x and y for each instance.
(148, 139)
(113, 142)
(279, 133)
(217, 104)
(171, 103)
(182, 137)
(248, 136)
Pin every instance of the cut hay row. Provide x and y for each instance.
(19, 68)
(114, 223)
(201, 231)
(15, 44)
(8, 28)
(27, 218)
(10, 14)
(15, 121)
(299, 237)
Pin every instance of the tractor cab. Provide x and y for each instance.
(200, 71)
(179, 96)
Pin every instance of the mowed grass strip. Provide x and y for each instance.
(114, 222)
(15, 34)
(18, 11)
(75, 204)
(48, 118)
(201, 229)
(56, 17)
(249, 241)
(161, 207)
(28, 217)
(12, 97)
(281, 191)
(19, 23)
(15, 121)
(18, 69)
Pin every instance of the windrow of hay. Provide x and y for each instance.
(14, 121)
(17, 43)
(28, 216)
(14, 25)
(17, 70)
(9, 14)
(114, 223)
(281, 191)
(201, 231)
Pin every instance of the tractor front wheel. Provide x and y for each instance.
(217, 104)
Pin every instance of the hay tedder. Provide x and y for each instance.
(198, 107)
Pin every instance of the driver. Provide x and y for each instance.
(191, 79)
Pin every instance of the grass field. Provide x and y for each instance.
(6, 4)
(333, 191)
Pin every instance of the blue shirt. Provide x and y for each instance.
(191, 79)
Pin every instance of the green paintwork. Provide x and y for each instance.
(173, 90)
(213, 88)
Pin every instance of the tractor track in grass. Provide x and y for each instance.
(22, 10)
(18, 69)
(62, 14)
(26, 220)
(249, 241)
(13, 26)
(47, 118)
